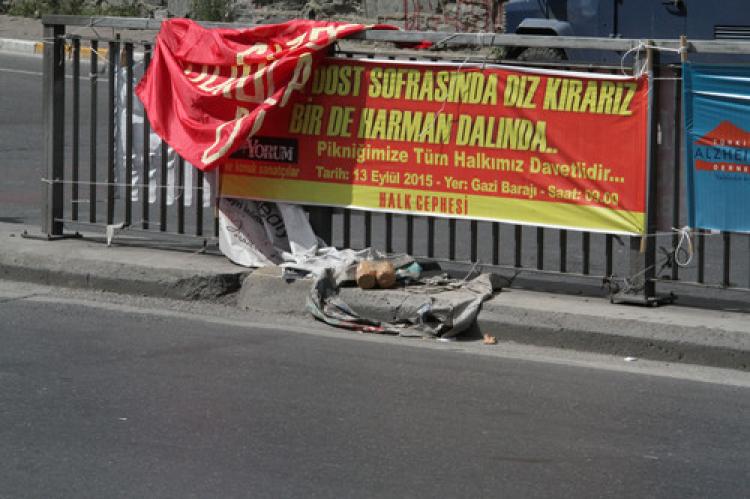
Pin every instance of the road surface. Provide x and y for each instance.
(106, 396)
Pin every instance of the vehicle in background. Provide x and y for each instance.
(639, 19)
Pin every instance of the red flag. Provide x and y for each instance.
(206, 90)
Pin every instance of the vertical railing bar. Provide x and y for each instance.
(114, 49)
(431, 237)
(609, 267)
(53, 109)
(199, 202)
(701, 256)
(347, 228)
(389, 232)
(128, 133)
(677, 124)
(180, 195)
(726, 258)
(163, 187)
(495, 243)
(540, 248)
(410, 234)
(321, 221)
(93, 80)
(452, 239)
(215, 201)
(517, 241)
(563, 251)
(368, 229)
(76, 124)
(146, 175)
(215, 204)
(586, 250)
(474, 234)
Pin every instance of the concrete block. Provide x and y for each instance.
(266, 290)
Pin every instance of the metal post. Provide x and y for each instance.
(563, 251)
(93, 78)
(540, 248)
(518, 243)
(409, 234)
(114, 55)
(474, 235)
(146, 140)
(128, 134)
(649, 270)
(677, 151)
(76, 126)
(496, 243)
(641, 288)
(198, 202)
(389, 232)
(54, 135)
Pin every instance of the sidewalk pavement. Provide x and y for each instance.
(139, 266)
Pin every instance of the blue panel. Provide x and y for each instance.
(717, 143)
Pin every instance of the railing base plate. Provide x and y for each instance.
(634, 299)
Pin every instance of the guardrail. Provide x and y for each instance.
(85, 175)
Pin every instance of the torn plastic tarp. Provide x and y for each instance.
(435, 309)
(259, 233)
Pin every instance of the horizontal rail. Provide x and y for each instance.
(439, 38)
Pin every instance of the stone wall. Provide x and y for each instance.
(427, 15)
(421, 15)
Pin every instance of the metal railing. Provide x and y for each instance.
(82, 170)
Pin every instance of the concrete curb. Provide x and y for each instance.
(121, 268)
(31, 47)
(21, 47)
(672, 334)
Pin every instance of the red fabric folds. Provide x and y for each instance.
(207, 90)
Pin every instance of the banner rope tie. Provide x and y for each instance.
(640, 69)
(684, 233)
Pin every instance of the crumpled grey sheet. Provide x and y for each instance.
(437, 307)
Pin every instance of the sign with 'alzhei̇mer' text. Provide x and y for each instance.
(550, 148)
(717, 144)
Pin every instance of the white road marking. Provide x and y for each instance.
(39, 73)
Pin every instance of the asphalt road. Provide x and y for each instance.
(108, 398)
(21, 139)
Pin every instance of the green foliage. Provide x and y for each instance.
(30, 8)
(38, 8)
(213, 10)
(127, 8)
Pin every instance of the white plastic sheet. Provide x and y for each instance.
(154, 147)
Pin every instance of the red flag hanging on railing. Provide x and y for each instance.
(206, 90)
